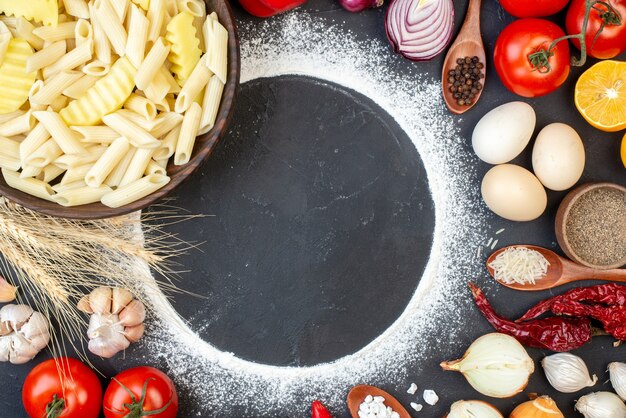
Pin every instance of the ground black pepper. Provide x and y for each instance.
(596, 226)
(464, 80)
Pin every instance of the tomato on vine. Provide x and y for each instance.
(527, 59)
(65, 388)
(605, 34)
(140, 392)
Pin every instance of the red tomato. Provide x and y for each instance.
(512, 57)
(612, 40)
(43, 388)
(533, 8)
(267, 8)
(152, 391)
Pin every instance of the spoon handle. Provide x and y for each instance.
(578, 272)
(471, 25)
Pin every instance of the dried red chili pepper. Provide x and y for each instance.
(613, 318)
(318, 410)
(553, 333)
(606, 294)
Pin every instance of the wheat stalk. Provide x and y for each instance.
(56, 261)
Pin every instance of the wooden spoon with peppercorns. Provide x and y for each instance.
(560, 271)
(464, 66)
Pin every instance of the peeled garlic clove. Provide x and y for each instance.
(83, 305)
(133, 314)
(134, 334)
(541, 407)
(567, 373)
(15, 315)
(466, 409)
(7, 291)
(601, 405)
(495, 365)
(100, 300)
(617, 372)
(121, 298)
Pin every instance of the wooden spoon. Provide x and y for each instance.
(560, 271)
(358, 394)
(468, 43)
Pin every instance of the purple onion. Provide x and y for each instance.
(359, 5)
(420, 29)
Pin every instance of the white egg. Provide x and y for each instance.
(503, 133)
(558, 156)
(513, 193)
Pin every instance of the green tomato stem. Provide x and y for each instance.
(55, 407)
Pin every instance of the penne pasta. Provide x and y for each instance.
(67, 161)
(111, 25)
(24, 30)
(118, 172)
(156, 16)
(10, 21)
(156, 167)
(66, 138)
(96, 68)
(9, 147)
(158, 88)
(211, 104)
(44, 155)
(216, 39)
(168, 145)
(151, 65)
(18, 125)
(54, 87)
(30, 186)
(135, 190)
(80, 87)
(46, 57)
(80, 195)
(142, 106)
(77, 56)
(187, 136)
(165, 123)
(56, 33)
(30, 171)
(60, 187)
(137, 166)
(59, 103)
(102, 46)
(96, 134)
(194, 85)
(115, 153)
(137, 36)
(5, 117)
(83, 32)
(35, 139)
(51, 172)
(120, 7)
(138, 137)
(77, 8)
(5, 39)
(76, 174)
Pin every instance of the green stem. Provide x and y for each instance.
(55, 407)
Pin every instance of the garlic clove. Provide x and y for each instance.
(15, 315)
(5, 348)
(102, 348)
(617, 372)
(541, 407)
(567, 373)
(100, 300)
(7, 291)
(496, 365)
(134, 334)
(106, 335)
(121, 298)
(5, 328)
(22, 350)
(601, 405)
(465, 409)
(83, 305)
(133, 314)
(37, 325)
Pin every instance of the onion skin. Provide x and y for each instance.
(356, 6)
(542, 407)
(419, 30)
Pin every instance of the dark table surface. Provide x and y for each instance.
(254, 191)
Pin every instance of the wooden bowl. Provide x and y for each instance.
(202, 150)
(562, 215)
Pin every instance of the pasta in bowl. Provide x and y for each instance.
(106, 106)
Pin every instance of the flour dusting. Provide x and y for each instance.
(216, 383)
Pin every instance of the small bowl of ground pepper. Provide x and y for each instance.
(591, 225)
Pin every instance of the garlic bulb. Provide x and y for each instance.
(567, 373)
(7, 291)
(472, 409)
(495, 365)
(541, 407)
(617, 372)
(23, 333)
(116, 320)
(601, 405)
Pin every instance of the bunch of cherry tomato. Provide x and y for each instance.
(527, 58)
(67, 388)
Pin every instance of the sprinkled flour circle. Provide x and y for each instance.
(218, 383)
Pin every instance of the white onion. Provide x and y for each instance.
(420, 29)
